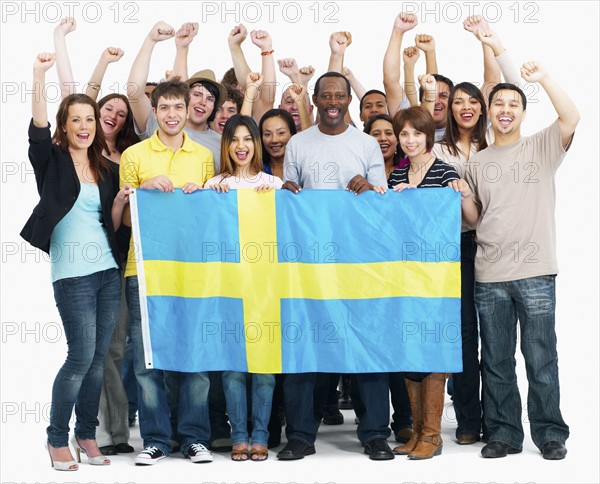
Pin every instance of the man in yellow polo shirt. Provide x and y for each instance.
(167, 160)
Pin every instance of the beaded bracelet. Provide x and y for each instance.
(267, 52)
(94, 85)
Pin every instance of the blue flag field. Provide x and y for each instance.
(321, 281)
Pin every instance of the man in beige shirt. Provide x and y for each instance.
(512, 208)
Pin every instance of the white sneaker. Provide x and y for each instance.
(199, 453)
(149, 456)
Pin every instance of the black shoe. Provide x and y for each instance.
(467, 438)
(334, 418)
(124, 448)
(345, 403)
(497, 449)
(108, 450)
(295, 449)
(554, 450)
(378, 449)
(149, 456)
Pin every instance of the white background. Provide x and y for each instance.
(563, 36)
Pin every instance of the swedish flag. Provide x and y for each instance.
(321, 281)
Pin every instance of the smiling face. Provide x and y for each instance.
(202, 104)
(506, 113)
(113, 115)
(466, 110)
(80, 126)
(383, 132)
(412, 142)
(225, 112)
(275, 136)
(373, 104)
(241, 148)
(332, 102)
(170, 115)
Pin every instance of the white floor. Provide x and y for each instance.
(339, 459)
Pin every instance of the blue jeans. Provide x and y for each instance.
(234, 384)
(193, 424)
(531, 302)
(303, 415)
(88, 306)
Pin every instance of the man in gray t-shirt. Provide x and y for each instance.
(333, 155)
(512, 207)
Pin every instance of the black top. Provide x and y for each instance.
(58, 187)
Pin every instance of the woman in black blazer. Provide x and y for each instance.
(80, 207)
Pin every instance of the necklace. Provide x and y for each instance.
(420, 167)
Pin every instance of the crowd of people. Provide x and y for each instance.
(193, 133)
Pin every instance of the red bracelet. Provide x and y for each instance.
(267, 52)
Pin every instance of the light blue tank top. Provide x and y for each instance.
(79, 244)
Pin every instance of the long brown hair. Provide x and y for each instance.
(227, 165)
(98, 164)
(452, 134)
(126, 136)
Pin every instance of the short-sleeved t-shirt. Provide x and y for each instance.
(317, 160)
(513, 187)
(209, 139)
(192, 163)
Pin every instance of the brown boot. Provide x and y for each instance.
(432, 397)
(414, 396)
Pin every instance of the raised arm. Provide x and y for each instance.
(183, 39)
(299, 95)
(429, 86)
(300, 76)
(478, 26)
(391, 60)
(355, 84)
(266, 100)
(253, 82)
(410, 57)
(39, 106)
(338, 42)
(426, 43)
(140, 104)
(568, 115)
(237, 35)
(111, 54)
(63, 64)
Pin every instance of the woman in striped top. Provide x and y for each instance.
(415, 130)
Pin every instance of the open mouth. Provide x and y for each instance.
(466, 116)
(384, 147)
(172, 124)
(276, 148)
(504, 120)
(333, 113)
(109, 122)
(83, 137)
(242, 155)
(200, 112)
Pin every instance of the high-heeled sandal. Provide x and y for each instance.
(69, 465)
(259, 455)
(239, 455)
(99, 460)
